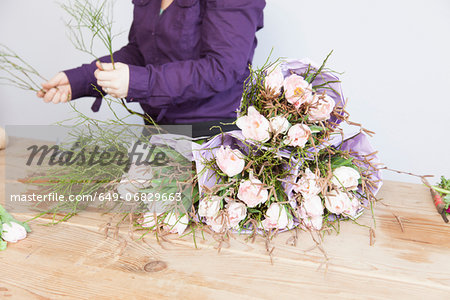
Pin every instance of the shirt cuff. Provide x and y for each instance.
(80, 80)
(138, 87)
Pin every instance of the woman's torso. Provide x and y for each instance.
(175, 35)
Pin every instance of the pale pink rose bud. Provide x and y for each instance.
(209, 207)
(313, 222)
(321, 109)
(279, 124)
(307, 185)
(254, 126)
(297, 90)
(218, 223)
(252, 192)
(13, 232)
(231, 162)
(274, 80)
(237, 212)
(317, 222)
(353, 208)
(276, 217)
(298, 135)
(313, 206)
(346, 177)
(311, 213)
(337, 202)
(176, 223)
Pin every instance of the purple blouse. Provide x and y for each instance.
(187, 64)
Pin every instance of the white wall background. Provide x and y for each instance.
(395, 55)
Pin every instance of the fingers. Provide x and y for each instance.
(115, 94)
(57, 98)
(56, 95)
(113, 81)
(105, 75)
(64, 97)
(61, 97)
(48, 97)
(109, 88)
(111, 85)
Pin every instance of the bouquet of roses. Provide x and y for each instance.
(290, 165)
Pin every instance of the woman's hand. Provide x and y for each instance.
(56, 90)
(113, 80)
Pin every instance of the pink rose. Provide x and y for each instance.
(231, 162)
(321, 108)
(313, 206)
(218, 223)
(337, 202)
(279, 124)
(274, 80)
(346, 177)
(313, 222)
(276, 217)
(176, 223)
(298, 135)
(308, 185)
(352, 210)
(311, 212)
(210, 206)
(13, 232)
(254, 126)
(297, 90)
(237, 212)
(252, 192)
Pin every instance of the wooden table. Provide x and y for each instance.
(75, 260)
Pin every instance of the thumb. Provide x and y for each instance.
(99, 65)
(59, 79)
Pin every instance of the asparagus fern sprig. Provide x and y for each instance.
(94, 18)
(89, 23)
(17, 72)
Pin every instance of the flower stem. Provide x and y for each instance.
(441, 190)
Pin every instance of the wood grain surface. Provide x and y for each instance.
(77, 260)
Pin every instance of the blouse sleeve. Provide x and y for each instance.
(228, 37)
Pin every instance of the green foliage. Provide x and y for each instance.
(444, 189)
(17, 72)
(96, 18)
(445, 183)
(339, 161)
(3, 245)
